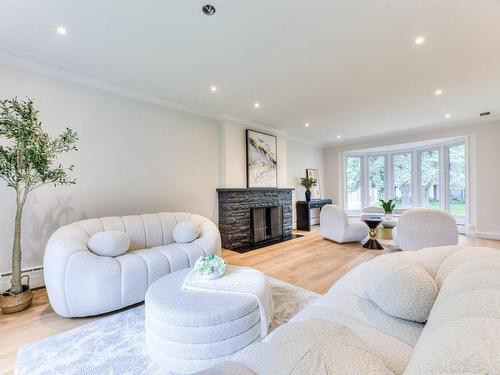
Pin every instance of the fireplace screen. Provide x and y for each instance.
(267, 223)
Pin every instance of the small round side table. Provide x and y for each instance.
(373, 222)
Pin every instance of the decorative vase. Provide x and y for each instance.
(388, 216)
(12, 303)
(308, 195)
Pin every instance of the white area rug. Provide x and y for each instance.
(115, 344)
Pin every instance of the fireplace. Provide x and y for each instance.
(267, 223)
(250, 218)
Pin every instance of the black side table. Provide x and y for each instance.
(373, 222)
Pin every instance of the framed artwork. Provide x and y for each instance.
(262, 166)
(315, 190)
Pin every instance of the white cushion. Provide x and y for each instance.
(400, 286)
(186, 231)
(110, 243)
(318, 346)
(462, 335)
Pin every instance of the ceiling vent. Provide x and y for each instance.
(482, 114)
(208, 10)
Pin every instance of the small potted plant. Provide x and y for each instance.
(210, 267)
(388, 207)
(28, 158)
(308, 183)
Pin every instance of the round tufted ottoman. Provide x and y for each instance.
(188, 331)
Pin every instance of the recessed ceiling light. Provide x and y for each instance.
(419, 40)
(208, 10)
(256, 105)
(307, 124)
(62, 30)
(447, 115)
(438, 92)
(213, 88)
(338, 136)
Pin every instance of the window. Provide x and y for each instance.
(457, 177)
(402, 180)
(376, 179)
(432, 175)
(429, 178)
(353, 180)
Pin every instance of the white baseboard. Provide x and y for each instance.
(36, 279)
(486, 235)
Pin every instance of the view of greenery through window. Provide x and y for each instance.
(430, 176)
(353, 177)
(402, 180)
(376, 177)
(458, 178)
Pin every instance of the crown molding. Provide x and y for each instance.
(308, 143)
(413, 132)
(51, 68)
(265, 127)
(253, 124)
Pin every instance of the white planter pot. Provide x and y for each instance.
(388, 216)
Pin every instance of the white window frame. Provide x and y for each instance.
(416, 192)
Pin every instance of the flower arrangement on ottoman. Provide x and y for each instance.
(210, 267)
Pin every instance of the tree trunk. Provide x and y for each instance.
(15, 282)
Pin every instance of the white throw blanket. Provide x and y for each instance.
(241, 280)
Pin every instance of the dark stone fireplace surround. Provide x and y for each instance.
(235, 206)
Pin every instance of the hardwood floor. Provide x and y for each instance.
(309, 262)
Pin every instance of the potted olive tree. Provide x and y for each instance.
(308, 183)
(27, 161)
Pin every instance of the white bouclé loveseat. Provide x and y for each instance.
(80, 283)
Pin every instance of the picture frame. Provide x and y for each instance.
(315, 190)
(261, 159)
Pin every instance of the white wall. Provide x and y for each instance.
(483, 163)
(133, 158)
(233, 154)
(301, 157)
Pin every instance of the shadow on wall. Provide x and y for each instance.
(40, 226)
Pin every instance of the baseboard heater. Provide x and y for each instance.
(25, 271)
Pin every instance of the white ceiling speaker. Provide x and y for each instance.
(208, 10)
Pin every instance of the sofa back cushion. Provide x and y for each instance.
(462, 334)
(145, 231)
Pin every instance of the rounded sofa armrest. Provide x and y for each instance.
(209, 239)
(55, 260)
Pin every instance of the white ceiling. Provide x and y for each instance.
(346, 67)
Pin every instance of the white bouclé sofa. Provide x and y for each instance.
(346, 331)
(80, 283)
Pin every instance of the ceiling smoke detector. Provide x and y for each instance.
(208, 10)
